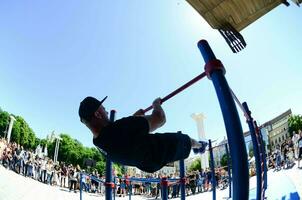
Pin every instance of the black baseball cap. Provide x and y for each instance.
(88, 106)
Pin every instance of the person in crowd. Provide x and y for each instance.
(63, 171)
(290, 158)
(158, 187)
(6, 156)
(192, 182)
(17, 159)
(148, 187)
(3, 145)
(271, 162)
(30, 164)
(295, 139)
(84, 182)
(94, 182)
(122, 186)
(208, 179)
(37, 167)
(278, 158)
(175, 189)
(44, 170)
(25, 163)
(56, 173)
(73, 177)
(300, 148)
(199, 181)
(49, 171)
(284, 150)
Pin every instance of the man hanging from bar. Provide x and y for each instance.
(128, 140)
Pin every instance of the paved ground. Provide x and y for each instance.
(283, 185)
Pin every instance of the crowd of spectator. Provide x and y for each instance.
(284, 155)
(39, 167)
(196, 182)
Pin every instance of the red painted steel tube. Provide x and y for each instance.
(191, 82)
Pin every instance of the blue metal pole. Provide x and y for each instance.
(232, 124)
(263, 153)
(130, 190)
(182, 179)
(81, 186)
(212, 166)
(229, 170)
(108, 182)
(108, 189)
(114, 190)
(255, 142)
(264, 161)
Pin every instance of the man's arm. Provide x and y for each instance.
(157, 118)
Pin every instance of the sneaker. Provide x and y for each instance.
(201, 149)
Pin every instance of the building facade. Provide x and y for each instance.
(219, 151)
(274, 132)
(277, 129)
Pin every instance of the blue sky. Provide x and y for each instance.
(55, 53)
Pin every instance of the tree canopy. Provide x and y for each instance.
(4, 121)
(294, 124)
(224, 160)
(195, 166)
(71, 151)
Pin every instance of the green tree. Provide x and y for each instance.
(37, 142)
(117, 168)
(224, 160)
(23, 134)
(196, 165)
(100, 167)
(31, 139)
(43, 142)
(4, 121)
(68, 151)
(71, 151)
(251, 150)
(294, 124)
(251, 153)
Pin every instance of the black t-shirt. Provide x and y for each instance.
(122, 140)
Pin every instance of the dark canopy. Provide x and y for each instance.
(238, 13)
(229, 17)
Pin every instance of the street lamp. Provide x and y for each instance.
(199, 118)
(10, 127)
(53, 137)
(55, 157)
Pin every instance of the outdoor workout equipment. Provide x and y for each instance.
(215, 71)
(165, 182)
(259, 155)
(212, 166)
(263, 160)
(258, 148)
(109, 184)
(172, 94)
